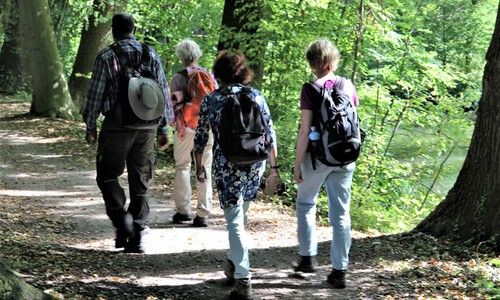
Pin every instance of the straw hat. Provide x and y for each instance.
(146, 97)
(273, 185)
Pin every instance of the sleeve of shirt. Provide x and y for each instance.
(95, 95)
(267, 116)
(351, 91)
(177, 83)
(169, 110)
(306, 96)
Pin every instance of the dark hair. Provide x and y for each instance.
(123, 24)
(232, 67)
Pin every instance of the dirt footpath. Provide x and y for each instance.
(56, 234)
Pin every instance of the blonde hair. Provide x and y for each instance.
(188, 51)
(321, 54)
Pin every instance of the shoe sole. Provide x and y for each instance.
(181, 220)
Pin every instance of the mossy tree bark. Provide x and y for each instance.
(13, 287)
(14, 76)
(50, 90)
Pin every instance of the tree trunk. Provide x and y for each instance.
(13, 65)
(239, 32)
(471, 211)
(50, 90)
(12, 287)
(359, 39)
(94, 37)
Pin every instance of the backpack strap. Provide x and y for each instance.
(125, 57)
(145, 56)
(228, 88)
(183, 73)
(339, 83)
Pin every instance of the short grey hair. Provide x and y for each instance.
(188, 51)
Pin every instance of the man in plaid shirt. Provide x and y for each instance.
(119, 144)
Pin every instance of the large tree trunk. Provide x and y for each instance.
(239, 32)
(50, 89)
(471, 211)
(13, 65)
(94, 37)
(13, 287)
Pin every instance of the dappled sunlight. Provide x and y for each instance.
(179, 279)
(48, 156)
(56, 230)
(38, 193)
(14, 139)
(82, 202)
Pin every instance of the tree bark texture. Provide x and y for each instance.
(471, 210)
(50, 89)
(13, 64)
(13, 287)
(241, 17)
(94, 37)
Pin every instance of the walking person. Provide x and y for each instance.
(311, 174)
(125, 139)
(237, 185)
(187, 108)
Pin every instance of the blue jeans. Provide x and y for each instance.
(337, 182)
(236, 219)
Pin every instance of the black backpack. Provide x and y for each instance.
(130, 68)
(243, 132)
(338, 124)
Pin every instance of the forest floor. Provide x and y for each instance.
(55, 234)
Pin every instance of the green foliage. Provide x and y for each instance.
(166, 23)
(413, 102)
(68, 19)
(417, 67)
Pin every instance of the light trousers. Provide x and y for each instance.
(182, 194)
(337, 181)
(236, 220)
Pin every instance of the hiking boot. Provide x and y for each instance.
(121, 238)
(124, 230)
(135, 243)
(242, 290)
(337, 279)
(229, 271)
(200, 222)
(179, 218)
(307, 264)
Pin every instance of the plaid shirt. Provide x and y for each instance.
(103, 87)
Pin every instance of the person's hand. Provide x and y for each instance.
(201, 173)
(162, 141)
(91, 136)
(297, 175)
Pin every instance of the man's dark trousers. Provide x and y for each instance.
(118, 146)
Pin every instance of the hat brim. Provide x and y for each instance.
(150, 108)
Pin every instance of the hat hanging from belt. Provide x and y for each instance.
(146, 97)
(273, 185)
